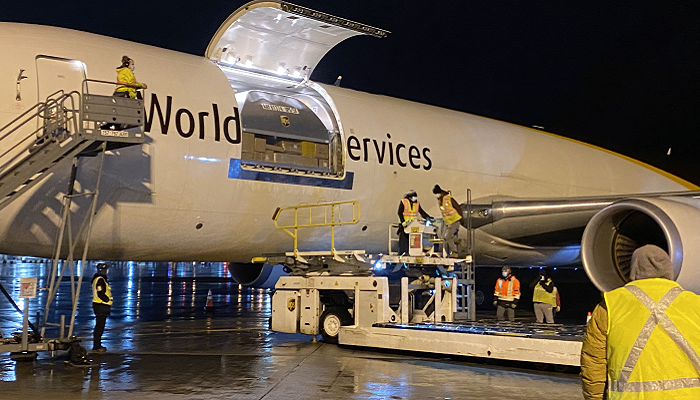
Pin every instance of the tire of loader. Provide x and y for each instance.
(330, 322)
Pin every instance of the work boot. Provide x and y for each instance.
(99, 349)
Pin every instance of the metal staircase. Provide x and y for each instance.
(66, 126)
(466, 280)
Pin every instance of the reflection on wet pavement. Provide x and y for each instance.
(162, 345)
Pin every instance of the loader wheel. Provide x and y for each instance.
(330, 322)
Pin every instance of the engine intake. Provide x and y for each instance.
(262, 276)
(616, 231)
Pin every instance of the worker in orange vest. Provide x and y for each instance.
(409, 209)
(451, 217)
(506, 295)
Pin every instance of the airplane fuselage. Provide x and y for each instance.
(178, 197)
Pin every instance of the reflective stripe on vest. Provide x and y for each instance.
(659, 339)
(108, 292)
(540, 295)
(409, 213)
(449, 213)
(506, 293)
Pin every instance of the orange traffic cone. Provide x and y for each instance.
(588, 317)
(210, 303)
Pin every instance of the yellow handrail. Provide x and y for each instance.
(334, 209)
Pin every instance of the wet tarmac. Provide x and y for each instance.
(161, 344)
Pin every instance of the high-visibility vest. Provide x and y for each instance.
(108, 291)
(653, 341)
(540, 295)
(507, 289)
(449, 213)
(409, 212)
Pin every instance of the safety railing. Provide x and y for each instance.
(98, 110)
(290, 219)
(393, 238)
(57, 121)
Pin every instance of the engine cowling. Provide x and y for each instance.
(262, 276)
(611, 236)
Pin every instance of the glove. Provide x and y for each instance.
(558, 309)
(513, 305)
(495, 302)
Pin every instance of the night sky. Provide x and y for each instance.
(620, 75)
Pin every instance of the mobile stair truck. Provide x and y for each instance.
(69, 126)
(420, 302)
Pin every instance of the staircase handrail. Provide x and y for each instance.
(39, 112)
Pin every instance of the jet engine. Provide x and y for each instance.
(256, 275)
(610, 237)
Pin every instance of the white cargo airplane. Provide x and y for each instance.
(222, 153)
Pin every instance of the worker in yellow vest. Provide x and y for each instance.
(101, 305)
(125, 76)
(543, 300)
(642, 341)
(409, 209)
(451, 217)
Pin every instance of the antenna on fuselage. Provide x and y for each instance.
(337, 81)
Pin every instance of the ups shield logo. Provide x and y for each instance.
(291, 304)
(285, 120)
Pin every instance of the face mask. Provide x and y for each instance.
(132, 68)
(414, 199)
(505, 274)
(437, 195)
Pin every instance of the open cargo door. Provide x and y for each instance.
(280, 38)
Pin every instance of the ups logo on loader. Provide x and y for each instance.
(291, 304)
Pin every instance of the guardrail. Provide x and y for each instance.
(331, 215)
(57, 116)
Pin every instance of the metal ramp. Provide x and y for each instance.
(64, 126)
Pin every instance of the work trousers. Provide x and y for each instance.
(501, 312)
(543, 311)
(403, 241)
(450, 237)
(101, 314)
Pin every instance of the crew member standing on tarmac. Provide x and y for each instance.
(452, 219)
(125, 74)
(642, 341)
(506, 295)
(409, 208)
(101, 305)
(542, 299)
